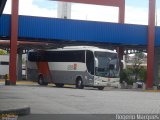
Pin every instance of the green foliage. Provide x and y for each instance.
(130, 82)
(125, 75)
(128, 75)
(143, 74)
(3, 52)
(136, 72)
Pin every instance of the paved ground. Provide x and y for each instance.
(52, 100)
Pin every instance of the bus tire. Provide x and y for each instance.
(41, 81)
(100, 88)
(79, 83)
(60, 85)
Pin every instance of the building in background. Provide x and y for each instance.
(4, 65)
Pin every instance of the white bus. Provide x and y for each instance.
(79, 65)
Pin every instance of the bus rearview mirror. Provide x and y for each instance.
(96, 62)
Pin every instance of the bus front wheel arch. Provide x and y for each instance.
(79, 83)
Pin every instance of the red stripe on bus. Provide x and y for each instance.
(43, 68)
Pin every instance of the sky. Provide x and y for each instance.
(136, 11)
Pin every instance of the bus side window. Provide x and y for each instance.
(90, 62)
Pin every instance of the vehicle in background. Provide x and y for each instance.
(80, 65)
(140, 83)
(4, 65)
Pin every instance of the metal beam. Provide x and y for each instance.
(97, 2)
(120, 51)
(13, 42)
(19, 64)
(151, 39)
(115, 3)
(121, 20)
(122, 12)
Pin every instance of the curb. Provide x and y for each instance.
(17, 111)
(151, 90)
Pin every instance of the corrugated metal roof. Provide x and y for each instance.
(78, 30)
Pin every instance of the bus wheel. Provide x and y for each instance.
(100, 88)
(79, 83)
(59, 85)
(41, 81)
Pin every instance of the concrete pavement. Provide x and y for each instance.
(52, 100)
(46, 102)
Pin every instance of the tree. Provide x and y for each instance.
(136, 71)
(138, 60)
(143, 74)
(125, 76)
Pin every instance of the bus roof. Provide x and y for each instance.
(75, 48)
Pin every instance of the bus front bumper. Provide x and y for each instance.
(110, 82)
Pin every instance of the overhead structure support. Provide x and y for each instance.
(151, 39)
(13, 42)
(19, 64)
(97, 2)
(120, 51)
(122, 12)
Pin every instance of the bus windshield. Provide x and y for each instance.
(107, 64)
